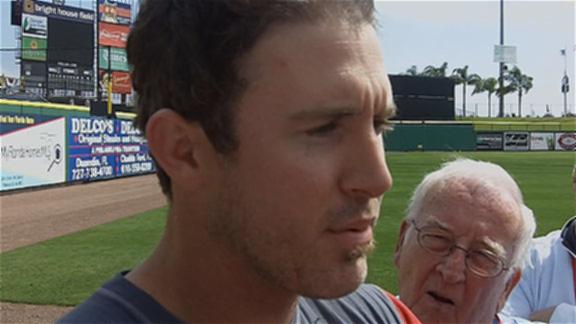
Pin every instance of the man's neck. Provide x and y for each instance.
(199, 283)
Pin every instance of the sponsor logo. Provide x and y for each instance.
(567, 141)
(92, 126)
(113, 35)
(34, 48)
(35, 26)
(50, 10)
(115, 12)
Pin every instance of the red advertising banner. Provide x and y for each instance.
(115, 11)
(121, 82)
(113, 35)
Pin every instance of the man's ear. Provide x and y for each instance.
(510, 284)
(400, 241)
(178, 146)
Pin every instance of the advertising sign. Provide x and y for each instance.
(113, 35)
(115, 11)
(34, 26)
(134, 156)
(117, 56)
(10, 122)
(489, 141)
(542, 141)
(59, 12)
(34, 155)
(505, 54)
(120, 82)
(33, 49)
(516, 141)
(565, 141)
(103, 148)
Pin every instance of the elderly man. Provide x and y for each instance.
(460, 248)
(264, 118)
(547, 290)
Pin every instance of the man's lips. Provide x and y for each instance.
(440, 298)
(358, 225)
(354, 233)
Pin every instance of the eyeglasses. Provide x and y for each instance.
(482, 263)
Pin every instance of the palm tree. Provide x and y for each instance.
(519, 82)
(435, 72)
(489, 85)
(413, 71)
(503, 92)
(461, 76)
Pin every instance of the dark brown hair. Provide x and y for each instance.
(184, 55)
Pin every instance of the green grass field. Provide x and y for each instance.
(66, 270)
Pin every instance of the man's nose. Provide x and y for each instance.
(367, 174)
(453, 266)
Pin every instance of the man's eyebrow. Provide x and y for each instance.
(324, 112)
(493, 246)
(436, 223)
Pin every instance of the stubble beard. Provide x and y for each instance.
(232, 225)
(361, 251)
(261, 254)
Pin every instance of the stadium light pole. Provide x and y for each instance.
(565, 82)
(501, 73)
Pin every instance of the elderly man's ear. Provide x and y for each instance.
(181, 148)
(510, 284)
(403, 229)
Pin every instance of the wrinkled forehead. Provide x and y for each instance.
(461, 202)
(472, 192)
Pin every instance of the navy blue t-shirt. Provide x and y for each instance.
(120, 301)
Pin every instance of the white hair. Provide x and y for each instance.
(488, 175)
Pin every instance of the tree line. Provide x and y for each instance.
(514, 81)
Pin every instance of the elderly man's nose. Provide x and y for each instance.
(453, 266)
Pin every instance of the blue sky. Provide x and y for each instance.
(464, 32)
(461, 33)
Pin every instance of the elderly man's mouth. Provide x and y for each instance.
(441, 299)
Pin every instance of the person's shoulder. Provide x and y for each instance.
(119, 301)
(543, 251)
(368, 304)
(548, 239)
(542, 246)
(401, 309)
(104, 306)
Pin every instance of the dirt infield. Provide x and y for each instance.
(34, 216)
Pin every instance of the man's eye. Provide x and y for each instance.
(436, 241)
(323, 130)
(382, 126)
(437, 237)
(484, 259)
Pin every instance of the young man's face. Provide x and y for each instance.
(443, 289)
(300, 199)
